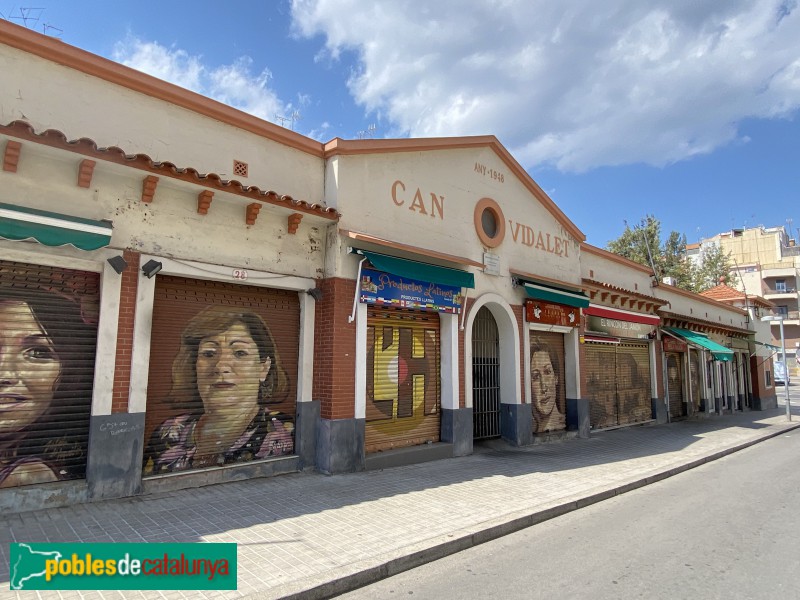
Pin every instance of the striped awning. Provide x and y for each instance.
(718, 351)
(52, 229)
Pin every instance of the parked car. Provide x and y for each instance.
(781, 373)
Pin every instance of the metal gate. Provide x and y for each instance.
(48, 334)
(485, 376)
(222, 377)
(403, 379)
(618, 380)
(677, 406)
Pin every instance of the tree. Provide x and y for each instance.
(634, 242)
(675, 263)
(642, 244)
(715, 267)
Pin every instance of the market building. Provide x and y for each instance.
(440, 244)
(193, 295)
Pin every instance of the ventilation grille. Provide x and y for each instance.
(239, 168)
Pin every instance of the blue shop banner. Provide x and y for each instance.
(385, 289)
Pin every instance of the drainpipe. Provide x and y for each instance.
(352, 316)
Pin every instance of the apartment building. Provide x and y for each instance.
(767, 261)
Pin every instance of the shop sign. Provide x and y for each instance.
(385, 289)
(672, 345)
(618, 328)
(547, 313)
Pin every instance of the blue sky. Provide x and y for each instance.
(684, 109)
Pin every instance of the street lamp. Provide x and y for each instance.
(779, 319)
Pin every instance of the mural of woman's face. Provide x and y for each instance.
(229, 370)
(29, 368)
(544, 383)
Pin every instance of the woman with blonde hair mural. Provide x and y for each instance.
(226, 374)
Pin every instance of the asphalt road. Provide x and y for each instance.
(729, 529)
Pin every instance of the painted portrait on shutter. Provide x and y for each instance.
(47, 353)
(227, 378)
(548, 396)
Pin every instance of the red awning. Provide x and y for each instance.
(621, 315)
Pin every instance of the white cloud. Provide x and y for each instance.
(577, 84)
(233, 84)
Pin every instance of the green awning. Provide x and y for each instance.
(411, 269)
(538, 291)
(718, 351)
(52, 229)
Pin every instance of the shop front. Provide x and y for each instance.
(224, 389)
(718, 361)
(678, 389)
(618, 366)
(48, 338)
(405, 302)
(222, 384)
(552, 317)
(741, 372)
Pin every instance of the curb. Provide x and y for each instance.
(369, 571)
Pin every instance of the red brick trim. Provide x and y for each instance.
(85, 172)
(11, 156)
(149, 188)
(127, 314)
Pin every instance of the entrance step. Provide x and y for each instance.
(409, 455)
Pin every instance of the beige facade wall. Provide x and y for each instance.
(113, 115)
(706, 310)
(170, 226)
(427, 200)
(608, 270)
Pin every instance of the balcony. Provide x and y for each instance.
(789, 318)
(779, 292)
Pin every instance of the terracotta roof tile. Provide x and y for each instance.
(88, 147)
(725, 293)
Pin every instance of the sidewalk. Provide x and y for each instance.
(310, 536)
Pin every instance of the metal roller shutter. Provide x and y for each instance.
(601, 360)
(403, 378)
(675, 384)
(618, 380)
(48, 335)
(548, 389)
(633, 377)
(223, 374)
(694, 377)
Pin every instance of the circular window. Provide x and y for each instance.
(490, 224)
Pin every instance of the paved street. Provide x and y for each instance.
(307, 531)
(727, 529)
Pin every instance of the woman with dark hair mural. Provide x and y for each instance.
(46, 374)
(546, 397)
(227, 371)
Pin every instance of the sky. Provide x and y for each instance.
(688, 110)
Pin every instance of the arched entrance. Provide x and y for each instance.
(491, 371)
(485, 376)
